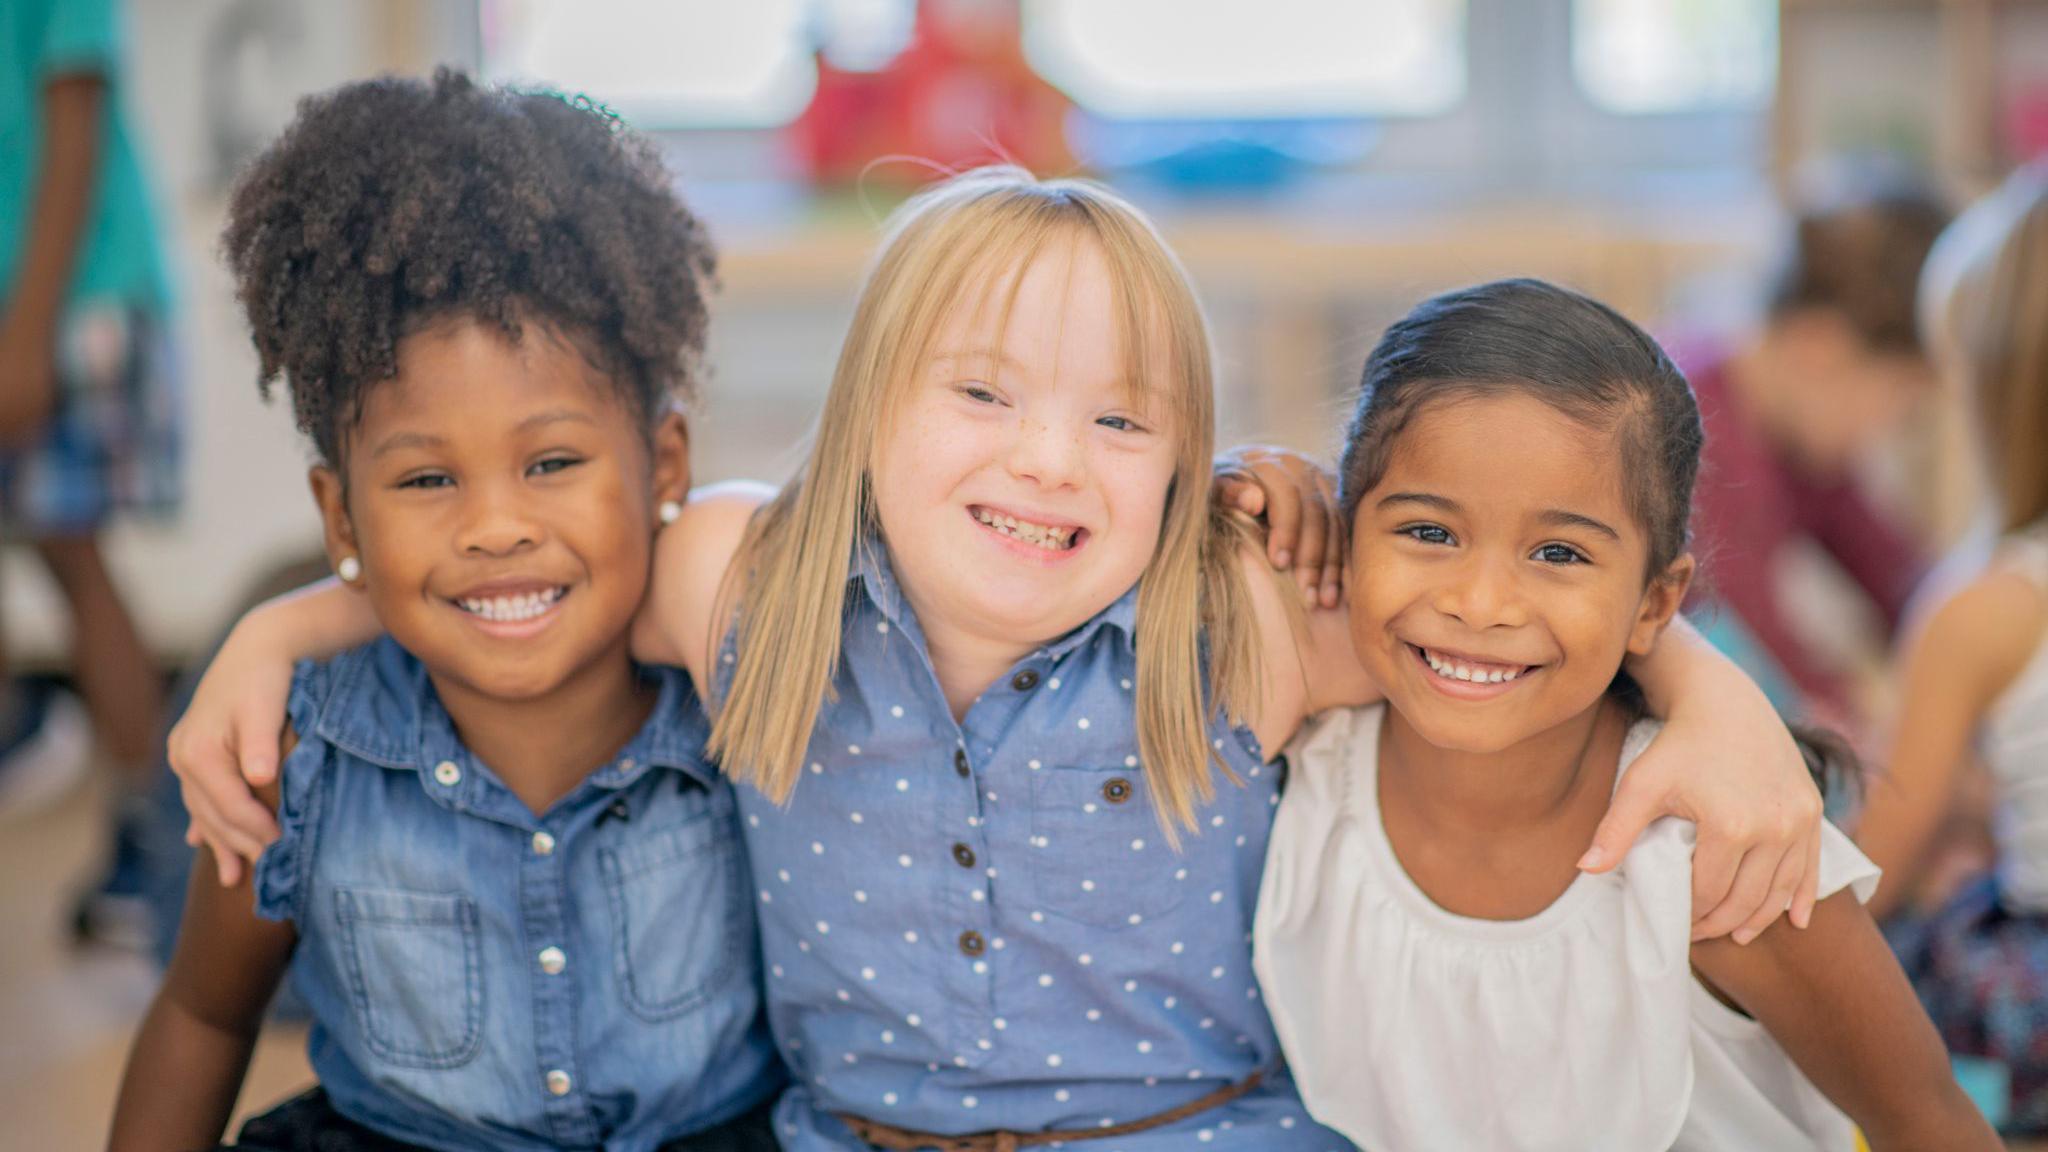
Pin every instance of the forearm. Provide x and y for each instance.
(312, 623)
(1683, 668)
(63, 196)
(182, 1079)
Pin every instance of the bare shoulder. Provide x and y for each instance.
(1984, 632)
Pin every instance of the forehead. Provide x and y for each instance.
(472, 374)
(1062, 313)
(1511, 453)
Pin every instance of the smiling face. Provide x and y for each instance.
(500, 497)
(1498, 575)
(1022, 483)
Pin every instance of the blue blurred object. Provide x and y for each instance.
(1215, 157)
(1988, 1084)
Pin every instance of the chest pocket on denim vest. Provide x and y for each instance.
(1098, 853)
(674, 898)
(415, 974)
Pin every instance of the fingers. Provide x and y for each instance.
(1284, 526)
(1809, 886)
(256, 737)
(1784, 884)
(1334, 541)
(1314, 555)
(1635, 804)
(1750, 890)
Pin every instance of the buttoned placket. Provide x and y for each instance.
(543, 926)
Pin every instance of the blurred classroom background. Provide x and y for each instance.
(1319, 164)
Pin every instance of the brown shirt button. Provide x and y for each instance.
(972, 943)
(963, 855)
(960, 761)
(1024, 681)
(1117, 791)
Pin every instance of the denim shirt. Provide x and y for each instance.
(980, 925)
(482, 977)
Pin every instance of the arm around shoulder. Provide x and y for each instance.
(1306, 657)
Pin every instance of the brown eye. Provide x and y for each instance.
(1560, 554)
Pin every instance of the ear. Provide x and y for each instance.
(671, 473)
(338, 532)
(1660, 602)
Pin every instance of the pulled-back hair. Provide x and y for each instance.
(391, 204)
(1574, 353)
(1587, 361)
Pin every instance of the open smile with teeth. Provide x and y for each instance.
(1045, 536)
(512, 609)
(1472, 671)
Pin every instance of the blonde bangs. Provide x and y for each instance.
(968, 243)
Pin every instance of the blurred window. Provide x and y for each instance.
(1661, 56)
(1226, 59)
(667, 64)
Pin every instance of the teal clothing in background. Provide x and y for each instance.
(118, 258)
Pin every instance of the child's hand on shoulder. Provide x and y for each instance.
(1296, 498)
(229, 742)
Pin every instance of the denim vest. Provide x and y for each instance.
(981, 926)
(482, 977)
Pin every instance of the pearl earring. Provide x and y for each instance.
(350, 569)
(670, 511)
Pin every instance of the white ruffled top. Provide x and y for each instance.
(1580, 1028)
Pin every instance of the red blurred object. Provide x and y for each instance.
(960, 94)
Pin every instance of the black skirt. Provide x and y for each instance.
(308, 1123)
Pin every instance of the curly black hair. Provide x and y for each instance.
(393, 203)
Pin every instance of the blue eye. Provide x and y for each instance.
(1560, 554)
(1120, 423)
(978, 393)
(1427, 533)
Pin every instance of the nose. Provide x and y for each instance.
(1048, 452)
(1483, 592)
(495, 522)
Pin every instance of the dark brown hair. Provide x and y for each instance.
(1860, 259)
(391, 204)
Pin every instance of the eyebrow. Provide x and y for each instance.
(401, 440)
(972, 355)
(1556, 517)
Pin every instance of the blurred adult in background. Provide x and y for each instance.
(1973, 676)
(89, 415)
(1836, 368)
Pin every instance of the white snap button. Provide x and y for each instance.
(543, 844)
(447, 773)
(558, 1082)
(552, 961)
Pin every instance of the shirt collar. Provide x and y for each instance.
(383, 708)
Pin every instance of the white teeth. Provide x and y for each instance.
(1452, 670)
(1049, 538)
(512, 609)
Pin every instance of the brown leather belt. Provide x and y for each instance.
(895, 1139)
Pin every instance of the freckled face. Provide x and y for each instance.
(500, 498)
(1499, 575)
(1021, 490)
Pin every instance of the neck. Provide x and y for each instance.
(967, 662)
(1552, 775)
(543, 747)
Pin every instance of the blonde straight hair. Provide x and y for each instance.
(974, 229)
(1987, 303)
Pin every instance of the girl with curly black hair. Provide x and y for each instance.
(506, 880)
